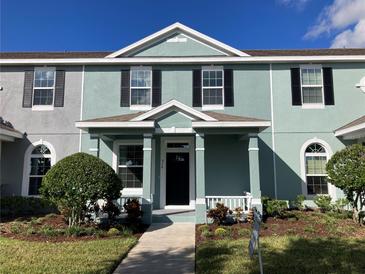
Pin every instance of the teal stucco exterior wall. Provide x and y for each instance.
(293, 125)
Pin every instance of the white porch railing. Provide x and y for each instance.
(232, 202)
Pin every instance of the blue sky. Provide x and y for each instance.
(40, 25)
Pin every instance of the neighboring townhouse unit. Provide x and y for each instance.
(185, 120)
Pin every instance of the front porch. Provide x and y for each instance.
(181, 172)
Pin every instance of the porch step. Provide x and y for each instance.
(173, 216)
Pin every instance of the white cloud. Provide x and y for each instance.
(351, 38)
(343, 16)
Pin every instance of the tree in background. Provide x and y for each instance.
(346, 170)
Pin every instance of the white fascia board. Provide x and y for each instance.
(184, 29)
(10, 133)
(148, 124)
(184, 60)
(350, 130)
(230, 124)
(177, 104)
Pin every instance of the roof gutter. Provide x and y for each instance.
(185, 60)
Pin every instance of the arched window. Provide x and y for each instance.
(315, 169)
(40, 163)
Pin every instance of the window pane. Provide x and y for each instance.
(131, 155)
(212, 78)
(43, 78)
(178, 145)
(212, 96)
(317, 185)
(131, 176)
(141, 78)
(316, 164)
(43, 97)
(39, 166)
(42, 149)
(312, 76)
(140, 96)
(315, 148)
(312, 95)
(34, 185)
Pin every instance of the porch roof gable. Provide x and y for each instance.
(354, 128)
(200, 119)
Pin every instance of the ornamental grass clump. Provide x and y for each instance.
(78, 180)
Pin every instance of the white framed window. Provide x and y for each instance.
(141, 88)
(43, 88)
(130, 165)
(315, 169)
(311, 78)
(212, 88)
(38, 159)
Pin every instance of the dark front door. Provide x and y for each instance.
(177, 178)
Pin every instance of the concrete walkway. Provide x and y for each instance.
(163, 248)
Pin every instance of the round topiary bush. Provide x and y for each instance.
(77, 180)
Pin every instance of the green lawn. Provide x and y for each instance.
(283, 254)
(94, 256)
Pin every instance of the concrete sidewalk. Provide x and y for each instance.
(163, 248)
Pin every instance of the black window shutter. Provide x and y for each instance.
(125, 89)
(329, 98)
(156, 88)
(59, 91)
(295, 87)
(28, 88)
(197, 88)
(228, 88)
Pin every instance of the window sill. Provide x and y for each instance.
(141, 107)
(213, 107)
(42, 108)
(132, 191)
(313, 106)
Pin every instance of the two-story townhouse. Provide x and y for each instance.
(186, 120)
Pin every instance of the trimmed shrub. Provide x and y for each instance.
(113, 232)
(18, 206)
(219, 213)
(298, 202)
(78, 180)
(276, 208)
(323, 202)
(220, 232)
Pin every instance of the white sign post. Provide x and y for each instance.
(255, 238)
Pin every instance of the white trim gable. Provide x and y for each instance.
(174, 105)
(178, 28)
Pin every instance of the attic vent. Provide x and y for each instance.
(177, 39)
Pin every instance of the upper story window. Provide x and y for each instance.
(141, 88)
(315, 169)
(312, 86)
(212, 88)
(43, 88)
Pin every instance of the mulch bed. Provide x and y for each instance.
(312, 225)
(57, 222)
